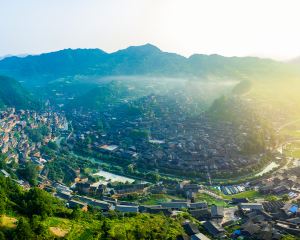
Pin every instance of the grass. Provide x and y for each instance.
(288, 132)
(252, 194)
(70, 229)
(159, 198)
(7, 222)
(295, 153)
(87, 228)
(293, 150)
(210, 200)
(58, 222)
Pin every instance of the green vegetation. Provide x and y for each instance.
(12, 94)
(231, 109)
(101, 96)
(139, 134)
(290, 237)
(141, 226)
(37, 134)
(94, 62)
(154, 199)
(29, 173)
(63, 167)
(252, 194)
(291, 131)
(35, 214)
(293, 150)
(210, 200)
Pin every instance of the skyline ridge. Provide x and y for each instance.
(23, 55)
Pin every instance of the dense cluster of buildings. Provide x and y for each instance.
(17, 130)
(268, 220)
(160, 133)
(283, 182)
(262, 220)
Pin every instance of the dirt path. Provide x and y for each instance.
(58, 232)
(7, 222)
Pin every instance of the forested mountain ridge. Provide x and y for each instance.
(138, 60)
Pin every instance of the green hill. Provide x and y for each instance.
(12, 94)
(35, 214)
(100, 96)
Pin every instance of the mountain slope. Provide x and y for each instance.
(12, 94)
(52, 65)
(138, 60)
(100, 96)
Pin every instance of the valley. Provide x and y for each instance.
(207, 145)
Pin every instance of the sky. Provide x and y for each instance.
(264, 28)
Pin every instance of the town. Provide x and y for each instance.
(158, 132)
(24, 132)
(265, 205)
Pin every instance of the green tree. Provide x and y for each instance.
(23, 230)
(29, 173)
(105, 229)
(37, 226)
(2, 202)
(53, 145)
(76, 213)
(153, 176)
(271, 198)
(285, 198)
(2, 236)
(39, 202)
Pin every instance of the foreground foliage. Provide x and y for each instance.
(35, 214)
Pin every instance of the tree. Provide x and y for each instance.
(76, 213)
(271, 198)
(130, 168)
(285, 198)
(29, 173)
(53, 145)
(2, 236)
(100, 125)
(37, 226)
(39, 202)
(105, 229)
(2, 203)
(23, 230)
(153, 176)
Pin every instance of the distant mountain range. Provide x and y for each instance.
(139, 60)
(12, 94)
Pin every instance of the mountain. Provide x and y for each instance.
(12, 94)
(138, 60)
(53, 65)
(10, 55)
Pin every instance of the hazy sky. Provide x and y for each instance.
(267, 28)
